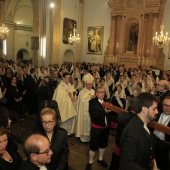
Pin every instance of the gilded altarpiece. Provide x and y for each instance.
(133, 25)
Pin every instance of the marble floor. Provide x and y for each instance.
(78, 156)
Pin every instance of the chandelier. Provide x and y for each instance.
(3, 31)
(73, 37)
(161, 40)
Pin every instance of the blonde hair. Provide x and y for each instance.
(48, 111)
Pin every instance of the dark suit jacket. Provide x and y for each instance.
(123, 120)
(162, 157)
(97, 113)
(28, 165)
(31, 97)
(138, 147)
(59, 146)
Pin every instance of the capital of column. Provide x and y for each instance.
(81, 1)
(146, 16)
(113, 17)
(156, 15)
(119, 16)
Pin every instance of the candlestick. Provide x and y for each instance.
(116, 58)
(147, 61)
(113, 58)
(139, 60)
(142, 60)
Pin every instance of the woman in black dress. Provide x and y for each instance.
(57, 137)
(9, 157)
(14, 100)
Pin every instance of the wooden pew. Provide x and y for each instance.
(154, 125)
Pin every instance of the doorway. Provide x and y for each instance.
(23, 55)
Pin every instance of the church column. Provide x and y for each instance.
(149, 31)
(1, 12)
(35, 44)
(112, 36)
(155, 21)
(144, 34)
(42, 32)
(118, 34)
(80, 22)
(56, 32)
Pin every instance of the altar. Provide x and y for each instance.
(133, 25)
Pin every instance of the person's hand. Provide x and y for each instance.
(20, 99)
(107, 110)
(24, 92)
(17, 100)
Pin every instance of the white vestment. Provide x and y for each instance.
(82, 123)
(66, 108)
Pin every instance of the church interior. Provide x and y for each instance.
(40, 32)
(107, 32)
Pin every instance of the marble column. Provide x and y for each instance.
(81, 12)
(112, 36)
(118, 34)
(56, 32)
(35, 29)
(145, 27)
(148, 34)
(1, 12)
(155, 22)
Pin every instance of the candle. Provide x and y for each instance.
(147, 61)
(110, 57)
(143, 61)
(116, 58)
(139, 60)
(113, 58)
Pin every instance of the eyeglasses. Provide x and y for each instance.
(45, 152)
(101, 92)
(47, 123)
(165, 105)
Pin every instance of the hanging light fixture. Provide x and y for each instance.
(73, 37)
(3, 31)
(161, 40)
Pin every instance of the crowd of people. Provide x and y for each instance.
(68, 100)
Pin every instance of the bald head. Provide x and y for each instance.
(37, 149)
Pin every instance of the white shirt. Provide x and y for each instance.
(164, 120)
(43, 167)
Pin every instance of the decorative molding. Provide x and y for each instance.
(23, 27)
(81, 1)
(129, 60)
(113, 17)
(133, 4)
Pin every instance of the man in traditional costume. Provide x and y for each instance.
(82, 120)
(65, 104)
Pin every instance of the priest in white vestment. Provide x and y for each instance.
(82, 124)
(65, 104)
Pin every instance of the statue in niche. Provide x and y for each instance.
(133, 38)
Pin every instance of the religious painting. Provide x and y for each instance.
(133, 37)
(68, 26)
(35, 43)
(95, 40)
